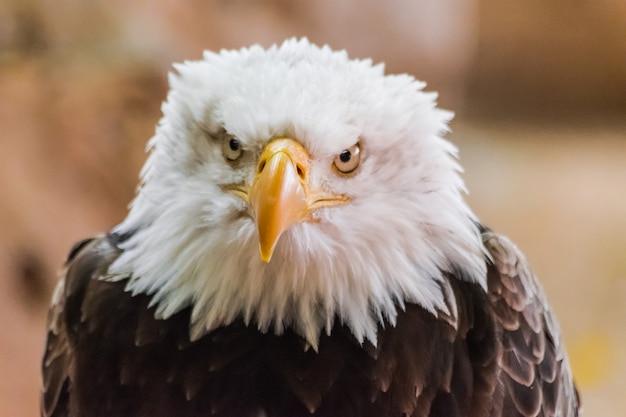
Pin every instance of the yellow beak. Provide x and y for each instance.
(278, 196)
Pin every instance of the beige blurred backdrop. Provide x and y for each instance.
(539, 88)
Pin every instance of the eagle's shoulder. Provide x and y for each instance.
(535, 377)
(87, 260)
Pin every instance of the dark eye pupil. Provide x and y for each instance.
(345, 156)
(234, 144)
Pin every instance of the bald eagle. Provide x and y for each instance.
(299, 246)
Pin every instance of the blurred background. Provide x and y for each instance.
(539, 88)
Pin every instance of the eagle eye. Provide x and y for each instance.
(231, 148)
(348, 160)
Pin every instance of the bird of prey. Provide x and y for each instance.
(299, 246)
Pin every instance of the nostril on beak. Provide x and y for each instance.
(300, 171)
(261, 166)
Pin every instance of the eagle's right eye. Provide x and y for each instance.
(231, 148)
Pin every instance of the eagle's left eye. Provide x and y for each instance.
(231, 148)
(348, 160)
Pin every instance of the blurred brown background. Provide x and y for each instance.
(539, 88)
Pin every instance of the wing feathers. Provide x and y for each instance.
(536, 376)
(86, 259)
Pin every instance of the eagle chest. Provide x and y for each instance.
(130, 363)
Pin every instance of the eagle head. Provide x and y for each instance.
(294, 187)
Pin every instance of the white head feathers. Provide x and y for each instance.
(406, 224)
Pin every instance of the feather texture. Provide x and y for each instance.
(422, 366)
